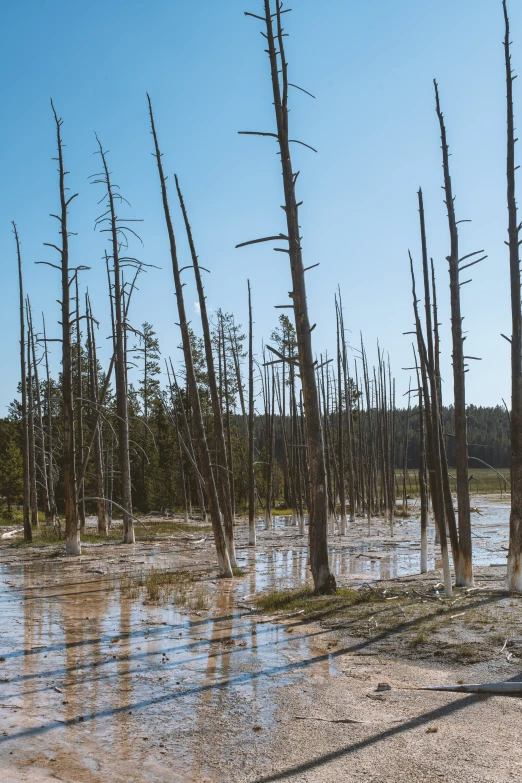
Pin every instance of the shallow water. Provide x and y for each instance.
(105, 685)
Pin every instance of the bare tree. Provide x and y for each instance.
(118, 230)
(30, 424)
(324, 581)
(514, 572)
(95, 420)
(39, 427)
(463, 565)
(28, 534)
(72, 533)
(223, 558)
(224, 474)
(251, 403)
(50, 436)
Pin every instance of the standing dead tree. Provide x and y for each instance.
(514, 565)
(118, 231)
(324, 581)
(463, 565)
(51, 479)
(79, 398)
(224, 474)
(39, 426)
(349, 414)
(33, 495)
(72, 533)
(422, 475)
(28, 534)
(95, 420)
(223, 558)
(433, 427)
(251, 404)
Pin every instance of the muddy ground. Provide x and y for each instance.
(136, 664)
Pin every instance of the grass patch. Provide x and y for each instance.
(160, 585)
(305, 598)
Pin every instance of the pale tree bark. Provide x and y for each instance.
(432, 421)
(50, 434)
(223, 475)
(117, 232)
(433, 369)
(422, 476)
(463, 566)
(224, 566)
(349, 418)
(95, 421)
(28, 534)
(251, 403)
(340, 430)
(180, 448)
(324, 581)
(33, 495)
(514, 564)
(42, 452)
(72, 533)
(79, 407)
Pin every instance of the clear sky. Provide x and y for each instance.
(371, 66)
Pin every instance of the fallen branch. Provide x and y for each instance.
(499, 688)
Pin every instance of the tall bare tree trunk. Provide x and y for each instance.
(30, 425)
(251, 403)
(324, 581)
(433, 427)
(95, 422)
(122, 406)
(50, 435)
(223, 558)
(223, 476)
(42, 454)
(340, 431)
(422, 478)
(72, 533)
(28, 533)
(79, 408)
(463, 566)
(514, 572)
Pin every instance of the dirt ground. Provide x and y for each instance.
(136, 664)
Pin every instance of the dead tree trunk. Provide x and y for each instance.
(50, 434)
(433, 370)
(28, 534)
(340, 429)
(349, 418)
(224, 477)
(514, 575)
(432, 417)
(79, 407)
(324, 580)
(422, 477)
(72, 533)
(95, 421)
(42, 453)
(223, 558)
(180, 449)
(117, 233)
(251, 402)
(230, 456)
(33, 495)
(464, 566)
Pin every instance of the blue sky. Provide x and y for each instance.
(371, 66)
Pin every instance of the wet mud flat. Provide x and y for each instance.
(104, 678)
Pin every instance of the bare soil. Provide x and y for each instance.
(137, 664)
